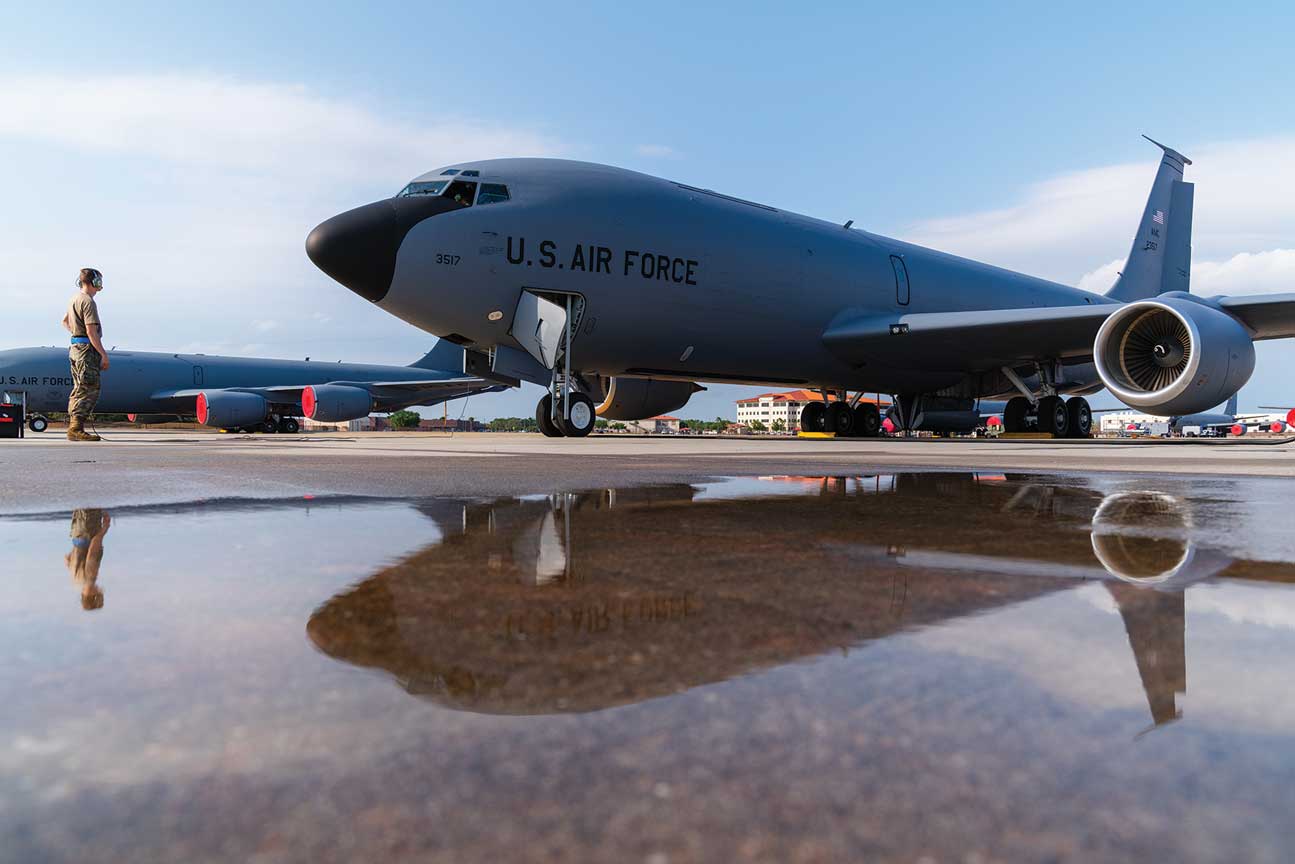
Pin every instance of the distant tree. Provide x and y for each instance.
(758, 426)
(618, 427)
(779, 425)
(601, 425)
(404, 420)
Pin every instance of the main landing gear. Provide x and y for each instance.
(37, 423)
(860, 420)
(579, 422)
(1062, 418)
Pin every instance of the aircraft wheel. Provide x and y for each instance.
(1080, 417)
(289, 426)
(269, 427)
(1053, 416)
(813, 417)
(38, 424)
(867, 420)
(583, 417)
(544, 420)
(1014, 414)
(840, 419)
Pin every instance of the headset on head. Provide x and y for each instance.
(96, 279)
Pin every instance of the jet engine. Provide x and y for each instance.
(334, 403)
(1173, 355)
(227, 409)
(637, 398)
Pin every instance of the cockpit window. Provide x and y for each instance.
(449, 171)
(492, 193)
(471, 173)
(462, 191)
(432, 188)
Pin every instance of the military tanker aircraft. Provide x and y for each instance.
(238, 392)
(619, 291)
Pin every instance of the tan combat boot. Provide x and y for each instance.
(76, 430)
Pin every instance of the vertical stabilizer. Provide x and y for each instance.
(1160, 259)
(1231, 410)
(445, 355)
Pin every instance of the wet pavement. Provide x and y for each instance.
(960, 667)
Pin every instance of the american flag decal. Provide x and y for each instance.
(1159, 217)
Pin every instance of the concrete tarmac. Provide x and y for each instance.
(131, 466)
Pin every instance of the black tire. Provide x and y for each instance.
(1081, 417)
(38, 424)
(1014, 414)
(269, 427)
(544, 420)
(840, 419)
(813, 417)
(1053, 416)
(867, 420)
(583, 417)
(289, 426)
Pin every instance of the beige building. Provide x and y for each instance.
(662, 425)
(785, 406)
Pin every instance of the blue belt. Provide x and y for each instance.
(80, 340)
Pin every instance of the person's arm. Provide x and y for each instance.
(66, 322)
(92, 331)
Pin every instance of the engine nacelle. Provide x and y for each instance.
(227, 409)
(335, 403)
(638, 398)
(1172, 355)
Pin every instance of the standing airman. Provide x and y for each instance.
(87, 354)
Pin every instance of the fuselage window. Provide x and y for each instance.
(492, 193)
(433, 188)
(462, 191)
(901, 280)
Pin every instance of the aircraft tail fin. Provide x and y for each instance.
(1161, 257)
(1231, 410)
(444, 355)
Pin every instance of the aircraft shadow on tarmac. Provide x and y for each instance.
(580, 602)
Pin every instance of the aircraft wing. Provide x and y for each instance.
(400, 391)
(985, 339)
(1268, 316)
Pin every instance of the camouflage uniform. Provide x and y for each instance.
(85, 377)
(85, 558)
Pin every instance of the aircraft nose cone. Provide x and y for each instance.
(358, 248)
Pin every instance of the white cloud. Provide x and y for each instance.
(195, 194)
(245, 126)
(656, 151)
(1059, 227)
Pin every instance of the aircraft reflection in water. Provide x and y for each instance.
(580, 602)
(83, 560)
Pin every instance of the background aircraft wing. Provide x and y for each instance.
(1269, 316)
(403, 392)
(978, 339)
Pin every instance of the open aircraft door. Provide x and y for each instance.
(538, 326)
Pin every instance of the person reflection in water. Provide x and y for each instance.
(88, 529)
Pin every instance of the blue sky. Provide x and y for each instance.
(207, 141)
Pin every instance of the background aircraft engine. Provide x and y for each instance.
(335, 403)
(637, 398)
(1173, 356)
(227, 409)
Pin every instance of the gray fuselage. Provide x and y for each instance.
(679, 282)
